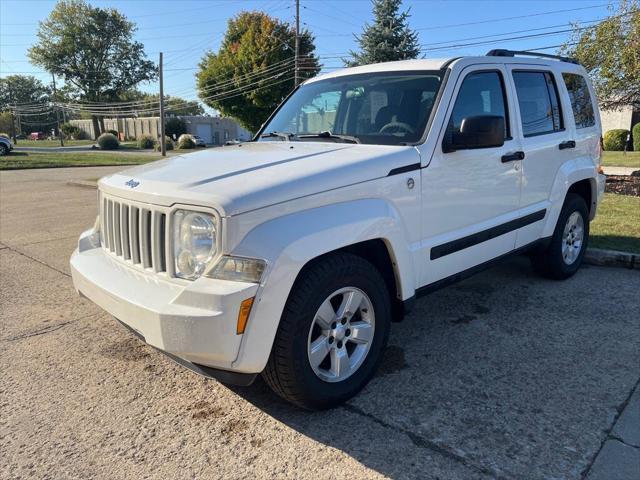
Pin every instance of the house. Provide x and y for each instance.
(624, 118)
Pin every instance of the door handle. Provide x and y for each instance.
(567, 144)
(512, 157)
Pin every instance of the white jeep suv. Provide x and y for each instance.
(291, 255)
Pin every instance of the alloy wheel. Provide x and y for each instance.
(572, 238)
(341, 334)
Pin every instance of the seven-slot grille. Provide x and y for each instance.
(135, 233)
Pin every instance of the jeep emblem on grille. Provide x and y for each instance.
(132, 183)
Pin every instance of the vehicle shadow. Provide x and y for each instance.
(502, 375)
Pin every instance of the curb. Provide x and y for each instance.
(611, 258)
(83, 184)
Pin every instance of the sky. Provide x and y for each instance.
(185, 30)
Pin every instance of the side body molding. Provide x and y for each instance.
(291, 241)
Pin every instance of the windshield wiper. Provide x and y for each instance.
(286, 136)
(328, 134)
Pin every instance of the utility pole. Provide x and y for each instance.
(163, 147)
(53, 76)
(13, 115)
(297, 47)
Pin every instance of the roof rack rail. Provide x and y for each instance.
(500, 52)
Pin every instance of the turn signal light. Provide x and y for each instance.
(243, 315)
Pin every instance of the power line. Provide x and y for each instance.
(219, 95)
(426, 48)
(501, 19)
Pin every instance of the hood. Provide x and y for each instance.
(244, 177)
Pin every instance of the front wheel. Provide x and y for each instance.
(562, 258)
(332, 333)
(4, 150)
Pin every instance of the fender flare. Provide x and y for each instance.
(289, 242)
(569, 173)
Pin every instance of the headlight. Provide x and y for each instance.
(238, 269)
(194, 242)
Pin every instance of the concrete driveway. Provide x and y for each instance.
(502, 376)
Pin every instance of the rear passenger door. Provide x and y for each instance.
(545, 138)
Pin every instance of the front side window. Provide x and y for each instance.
(386, 108)
(539, 102)
(481, 93)
(580, 97)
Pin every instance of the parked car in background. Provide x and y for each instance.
(37, 136)
(5, 145)
(292, 254)
(199, 141)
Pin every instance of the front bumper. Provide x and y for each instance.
(192, 322)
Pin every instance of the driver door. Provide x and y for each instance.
(470, 196)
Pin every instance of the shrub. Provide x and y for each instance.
(81, 135)
(168, 143)
(68, 129)
(114, 133)
(174, 126)
(186, 142)
(635, 133)
(614, 140)
(147, 141)
(71, 131)
(108, 141)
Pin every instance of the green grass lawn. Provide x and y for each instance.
(20, 160)
(617, 224)
(52, 143)
(618, 159)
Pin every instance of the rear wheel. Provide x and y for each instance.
(562, 258)
(4, 150)
(332, 333)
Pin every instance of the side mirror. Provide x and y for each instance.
(481, 131)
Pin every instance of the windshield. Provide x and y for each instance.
(385, 108)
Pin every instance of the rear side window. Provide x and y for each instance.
(580, 100)
(481, 93)
(539, 103)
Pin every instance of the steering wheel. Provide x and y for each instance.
(398, 126)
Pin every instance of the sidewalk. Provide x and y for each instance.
(620, 170)
(619, 457)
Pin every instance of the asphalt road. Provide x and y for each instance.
(502, 376)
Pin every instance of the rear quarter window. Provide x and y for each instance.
(581, 102)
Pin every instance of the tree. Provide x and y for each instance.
(180, 107)
(253, 70)
(610, 51)
(6, 122)
(388, 39)
(175, 127)
(93, 50)
(30, 97)
(21, 89)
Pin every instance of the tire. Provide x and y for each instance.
(289, 371)
(4, 150)
(551, 261)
